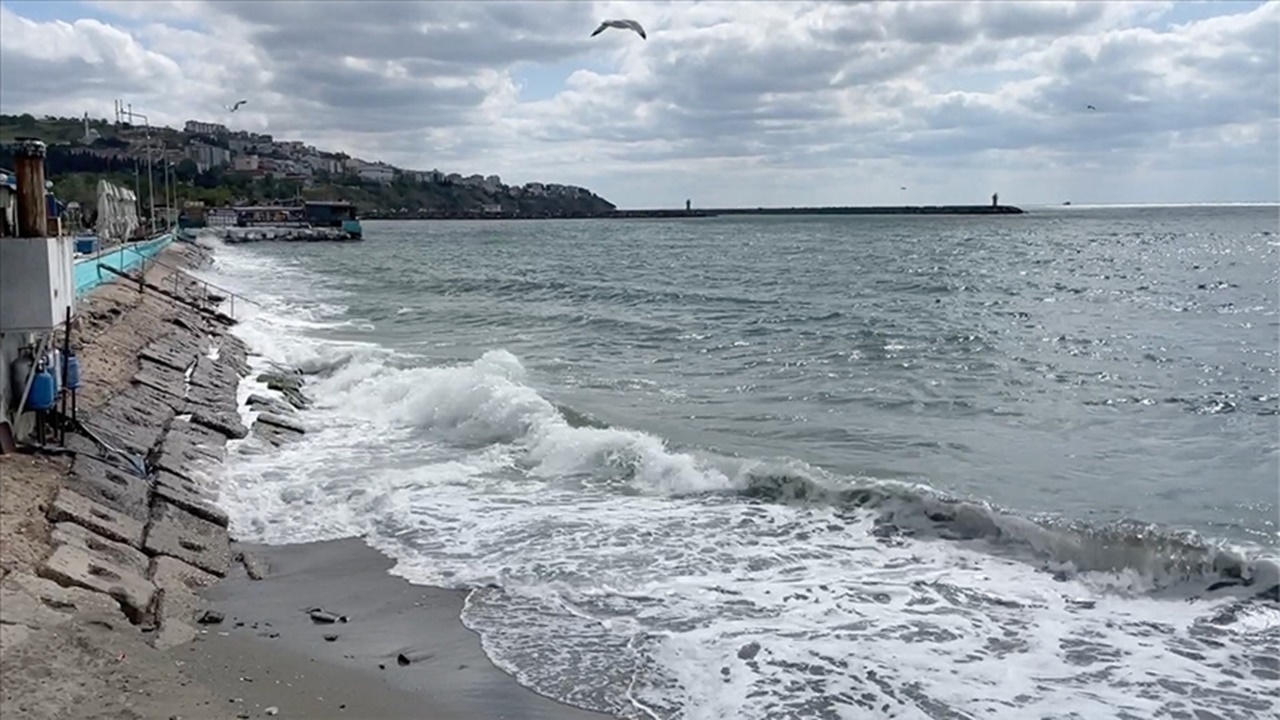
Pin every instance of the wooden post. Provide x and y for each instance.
(32, 213)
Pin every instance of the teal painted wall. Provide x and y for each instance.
(122, 257)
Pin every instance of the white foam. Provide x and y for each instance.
(621, 587)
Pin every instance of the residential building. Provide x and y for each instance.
(245, 163)
(208, 156)
(197, 127)
(377, 173)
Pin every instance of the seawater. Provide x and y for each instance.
(804, 467)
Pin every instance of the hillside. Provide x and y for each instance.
(255, 169)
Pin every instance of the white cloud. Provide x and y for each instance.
(728, 103)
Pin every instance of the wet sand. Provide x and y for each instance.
(269, 636)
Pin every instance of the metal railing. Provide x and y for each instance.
(176, 274)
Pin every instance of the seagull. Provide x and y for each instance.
(1090, 107)
(235, 107)
(621, 25)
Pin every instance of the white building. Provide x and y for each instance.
(204, 128)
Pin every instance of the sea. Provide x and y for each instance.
(802, 467)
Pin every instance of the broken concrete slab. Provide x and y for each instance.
(161, 377)
(177, 602)
(38, 602)
(70, 506)
(72, 566)
(220, 400)
(227, 423)
(192, 496)
(219, 375)
(69, 533)
(178, 533)
(112, 486)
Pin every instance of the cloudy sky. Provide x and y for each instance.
(727, 103)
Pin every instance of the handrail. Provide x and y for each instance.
(227, 292)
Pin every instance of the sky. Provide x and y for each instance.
(727, 104)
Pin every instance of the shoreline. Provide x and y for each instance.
(106, 572)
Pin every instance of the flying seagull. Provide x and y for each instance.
(1090, 107)
(235, 107)
(621, 25)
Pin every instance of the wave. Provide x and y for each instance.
(490, 402)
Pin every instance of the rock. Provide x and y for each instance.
(273, 710)
(748, 651)
(227, 423)
(72, 566)
(325, 618)
(70, 506)
(330, 637)
(282, 422)
(161, 377)
(180, 534)
(274, 434)
(402, 660)
(254, 566)
(114, 487)
(211, 617)
(289, 385)
(69, 533)
(190, 496)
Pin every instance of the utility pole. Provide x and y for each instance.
(151, 187)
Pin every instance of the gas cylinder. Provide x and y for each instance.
(43, 390)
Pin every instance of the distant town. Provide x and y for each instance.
(216, 165)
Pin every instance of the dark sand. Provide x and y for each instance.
(268, 638)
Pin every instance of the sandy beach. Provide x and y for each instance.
(125, 597)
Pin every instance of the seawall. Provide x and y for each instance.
(107, 542)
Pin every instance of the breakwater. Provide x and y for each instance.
(675, 213)
(265, 233)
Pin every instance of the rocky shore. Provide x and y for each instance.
(123, 593)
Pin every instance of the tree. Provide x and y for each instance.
(187, 170)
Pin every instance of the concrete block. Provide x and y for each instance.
(282, 422)
(220, 374)
(177, 602)
(177, 350)
(70, 506)
(137, 415)
(36, 602)
(69, 533)
(112, 486)
(274, 434)
(263, 403)
(225, 422)
(190, 495)
(188, 446)
(161, 377)
(72, 566)
(180, 534)
(11, 636)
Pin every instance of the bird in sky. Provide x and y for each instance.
(621, 25)
(1090, 107)
(233, 108)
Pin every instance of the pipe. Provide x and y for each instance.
(29, 167)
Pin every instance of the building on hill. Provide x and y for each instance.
(196, 127)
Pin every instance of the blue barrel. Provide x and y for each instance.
(73, 372)
(42, 390)
(86, 245)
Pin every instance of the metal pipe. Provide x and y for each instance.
(33, 220)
